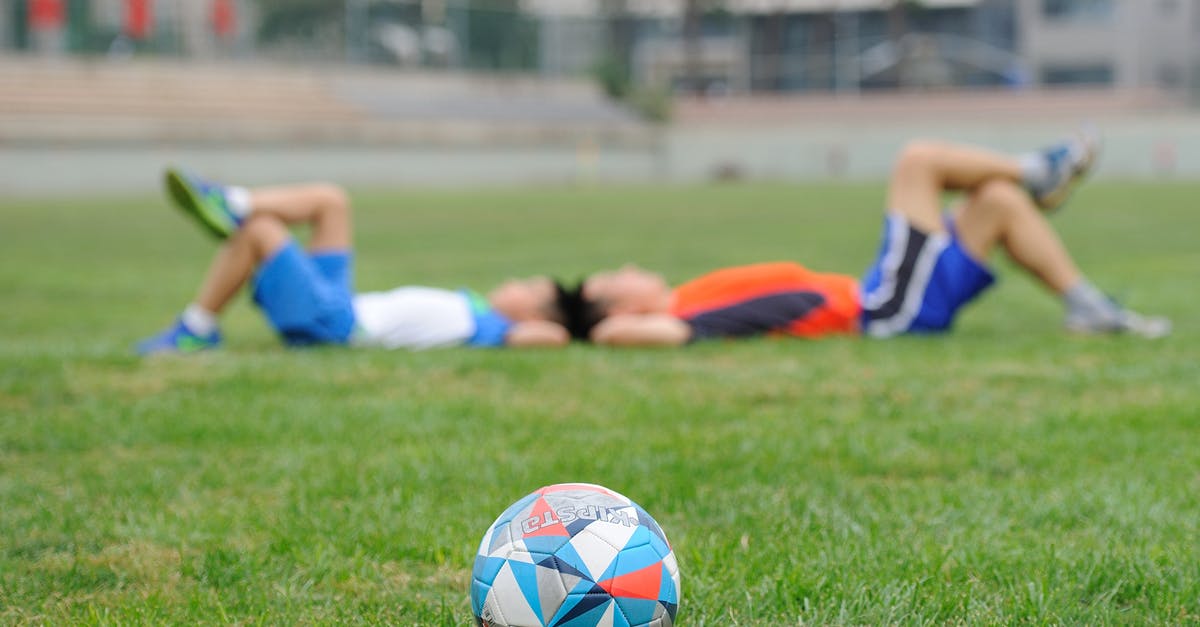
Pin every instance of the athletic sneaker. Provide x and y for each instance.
(178, 339)
(1118, 321)
(206, 202)
(1066, 163)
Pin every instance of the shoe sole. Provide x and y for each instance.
(1056, 199)
(186, 199)
(1145, 333)
(189, 349)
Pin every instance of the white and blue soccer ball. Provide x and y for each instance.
(575, 555)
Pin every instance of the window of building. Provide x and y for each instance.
(1093, 74)
(1170, 75)
(1078, 9)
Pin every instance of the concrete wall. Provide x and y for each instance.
(86, 134)
(1163, 147)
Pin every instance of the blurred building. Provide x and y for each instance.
(695, 46)
(822, 45)
(1111, 42)
(190, 28)
(800, 45)
(396, 91)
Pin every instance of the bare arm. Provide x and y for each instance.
(535, 333)
(642, 330)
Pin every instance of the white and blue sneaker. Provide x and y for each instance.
(1066, 164)
(177, 339)
(1117, 321)
(205, 201)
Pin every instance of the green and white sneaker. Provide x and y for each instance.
(206, 202)
(177, 339)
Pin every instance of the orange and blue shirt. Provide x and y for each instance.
(781, 298)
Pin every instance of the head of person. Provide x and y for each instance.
(528, 299)
(542, 299)
(579, 308)
(628, 290)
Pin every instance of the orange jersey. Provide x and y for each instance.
(778, 298)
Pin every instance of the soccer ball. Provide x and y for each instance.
(575, 555)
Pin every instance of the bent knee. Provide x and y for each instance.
(918, 154)
(257, 226)
(1002, 194)
(261, 234)
(333, 197)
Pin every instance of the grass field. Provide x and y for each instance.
(1005, 473)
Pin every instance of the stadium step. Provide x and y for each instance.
(85, 102)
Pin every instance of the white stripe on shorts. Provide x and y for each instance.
(914, 296)
(897, 239)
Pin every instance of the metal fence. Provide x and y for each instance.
(716, 50)
(468, 34)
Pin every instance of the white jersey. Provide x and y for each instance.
(414, 318)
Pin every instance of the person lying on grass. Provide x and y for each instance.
(307, 295)
(930, 264)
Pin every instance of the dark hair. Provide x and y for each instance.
(579, 314)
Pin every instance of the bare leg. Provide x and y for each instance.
(925, 169)
(323, 205)
(1001, 212)
(264, 218)
(259, 238)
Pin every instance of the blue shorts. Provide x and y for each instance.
(919, 281)
(308, 298)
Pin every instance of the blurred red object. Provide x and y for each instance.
(139, 19)
(47, 14)
(224, 18)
